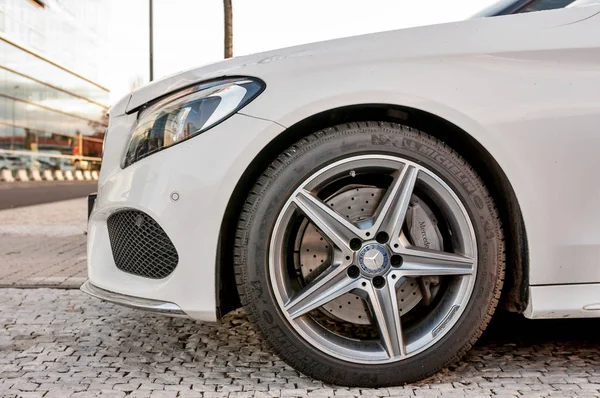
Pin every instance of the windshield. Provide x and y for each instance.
(584, 3)
(507, 7)
(497, 8)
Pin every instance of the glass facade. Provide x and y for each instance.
(51, 54)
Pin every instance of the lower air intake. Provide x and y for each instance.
(140, 246)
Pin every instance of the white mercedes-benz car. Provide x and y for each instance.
(369, 201)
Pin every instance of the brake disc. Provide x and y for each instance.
(358, 204)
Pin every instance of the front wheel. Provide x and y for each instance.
(370, 255)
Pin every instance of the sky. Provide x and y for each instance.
(189, 33)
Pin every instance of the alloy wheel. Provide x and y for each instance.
(373, 259)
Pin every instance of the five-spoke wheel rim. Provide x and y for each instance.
(372, 258)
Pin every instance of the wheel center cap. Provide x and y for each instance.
(373, 258)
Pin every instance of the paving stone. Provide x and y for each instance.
(163, 394)
(189, 394)
(25, 386)
(31, 394)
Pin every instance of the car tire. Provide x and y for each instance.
(257, 272)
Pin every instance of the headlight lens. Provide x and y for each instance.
(188, 113)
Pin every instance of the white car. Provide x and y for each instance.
(371, 200)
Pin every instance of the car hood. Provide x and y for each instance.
(476, 36)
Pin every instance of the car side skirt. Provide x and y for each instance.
(564, 301)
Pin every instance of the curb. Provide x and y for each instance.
(47, 175)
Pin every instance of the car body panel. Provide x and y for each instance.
(204, 179)
(526, 87)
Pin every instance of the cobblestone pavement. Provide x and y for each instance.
(61, 343)
(44, 245)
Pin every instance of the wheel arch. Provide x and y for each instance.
(514, 295)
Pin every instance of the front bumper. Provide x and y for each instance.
(140, 303)
(186, 190)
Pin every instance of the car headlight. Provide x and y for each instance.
(187, 113)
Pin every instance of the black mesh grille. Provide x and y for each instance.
(140, 246)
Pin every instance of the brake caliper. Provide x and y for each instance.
(423, 232)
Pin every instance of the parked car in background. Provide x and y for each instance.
(65, 164)
(54, 162)
(42, 160)
(12, 162)
(79, 164)
(370, 201)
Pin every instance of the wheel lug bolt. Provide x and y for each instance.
(379, 282)
(396, 260)
(355, 244)
(353, 271)
(382, 237)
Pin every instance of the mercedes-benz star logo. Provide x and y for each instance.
(373, 259)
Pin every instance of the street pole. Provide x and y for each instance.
(151, 28)
(228, 31)
(80, 143)
(12, 136)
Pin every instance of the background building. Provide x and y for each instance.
(51, 91)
